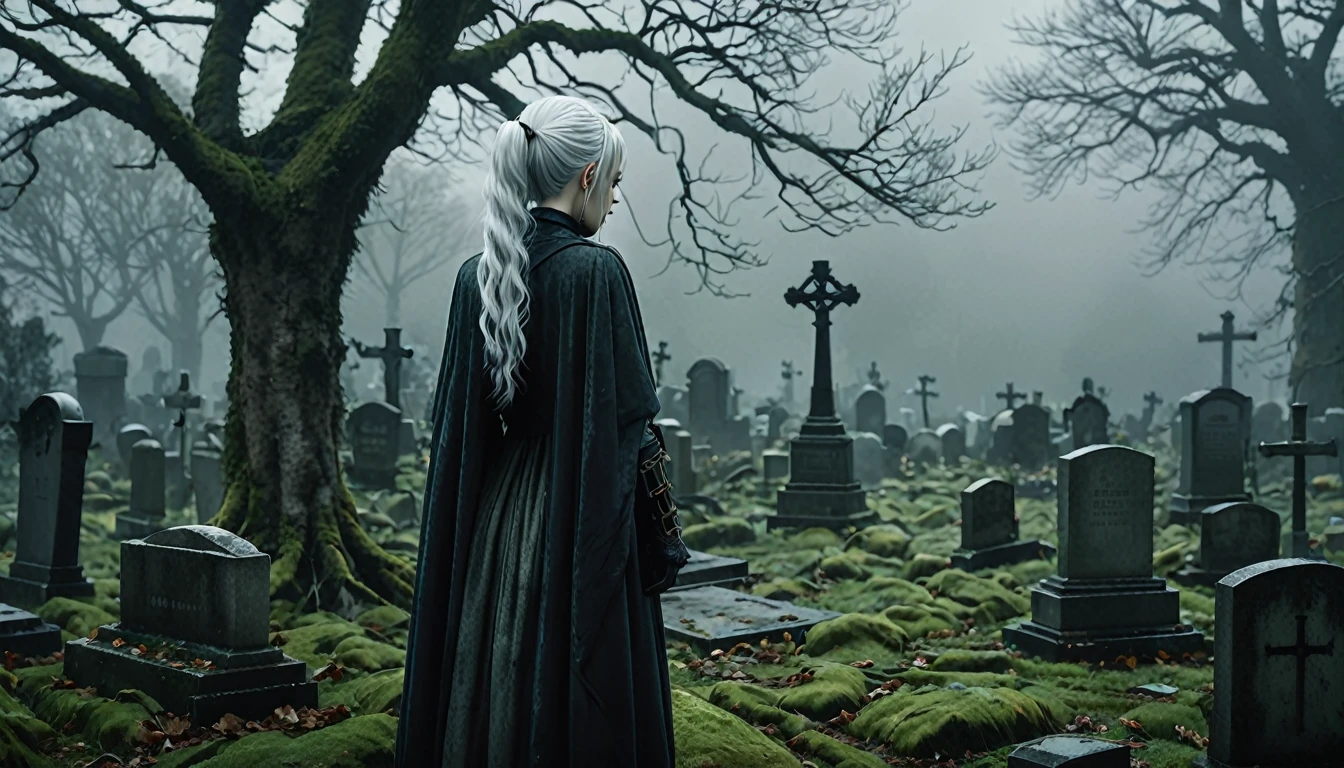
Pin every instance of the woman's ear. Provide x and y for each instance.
(589, 176)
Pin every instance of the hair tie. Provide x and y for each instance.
(527, 131)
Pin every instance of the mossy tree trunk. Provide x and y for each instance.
(1318, 321)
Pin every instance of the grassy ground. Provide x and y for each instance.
(913, 673)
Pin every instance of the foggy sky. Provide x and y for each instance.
(1038, 293)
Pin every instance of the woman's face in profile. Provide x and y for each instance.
(600, 203)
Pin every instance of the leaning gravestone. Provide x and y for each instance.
(1067, 751)
(989, 529)
(148, 488)
(100, 385)
(208, 483)
(127, 437)
(188, 593)
(924, 448)
(870, 410)
(375, 431)
(1231, 537)
(953, 443)
(709, 618)
(1278, 695)
(53, 443)
(706, 570)
(1215, 446)
(1031, 447)
(1104, 601)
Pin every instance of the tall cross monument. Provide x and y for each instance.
(391, 353)
(924, 394)
(1226, 336)
(182, 400)
(659, 358)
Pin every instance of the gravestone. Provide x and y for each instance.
(989, 529)
(924, 448)
(681, 450)
(100, 387)
(1031, 448)
(1279, 641)
(1089, 421)
(1299, 448)
(145, 515)
(127, 437)
(706, 570)
(1104, 601)
(675, 404)
(1001, 448)
(176, 481)
(909, 419)
(953, 443)
(391, 354)
(870, 411)
(208, 483)
(1231, 537)
(775, 422)
(197, 593)
(870, 459)
(1269, 423)
(708, 384)
(53, 445)
(894, 438)
(25, 634)
(775, 464)
(709, 618)
(1069, 751)
(1215, 446)
(407, 443)
(375, 430)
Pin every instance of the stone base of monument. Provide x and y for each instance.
(249, 684)
(25, 634)
(709, 618)
(1185, 510)
(132, 526)
(1005, 554)
(706, 570)
(1077, 621)
(836, 508)
(29, 585)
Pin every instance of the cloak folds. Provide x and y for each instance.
(601, 693)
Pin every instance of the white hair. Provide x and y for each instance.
(567, 134)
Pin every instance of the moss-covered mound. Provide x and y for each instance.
(931, 721)
(21, 733)
(720, 532)
(360, 742)
(709, 737)
(856, 633)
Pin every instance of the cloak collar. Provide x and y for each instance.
(557, 217)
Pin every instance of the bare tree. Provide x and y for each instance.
(287, 198)
(1234, 110)
(73, 237)
(416, 228)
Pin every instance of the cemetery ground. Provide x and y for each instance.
(912, 673)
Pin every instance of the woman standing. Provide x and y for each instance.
(532, 640)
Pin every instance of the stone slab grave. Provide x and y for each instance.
(147, 511)
(989, 529)
(709, 618)
(54, 440)
(1104, 600)
(1231, 537)
(193, 593)
(1278, 683)
(1215, 446)
(1031, 448)
(704, 570)
(375, 430)
(1066, 751)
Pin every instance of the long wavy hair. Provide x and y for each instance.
(567, 134)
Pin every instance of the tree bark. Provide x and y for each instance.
(1318, 320)
(284, 487)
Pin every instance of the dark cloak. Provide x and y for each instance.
(601, 694)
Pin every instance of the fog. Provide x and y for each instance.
(1040, 293)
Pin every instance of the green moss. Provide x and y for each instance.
(385, 616)
(972, 661)
(871, 596)
(77, 617)
(722, 532)
(1159, 720)
(709, 737)
(758, 706)
(855, 632)
(917, 677)
(784, 589)
(996, 600)
(314, 643)
(933, 721)
(361, 742)
(21, 733)
(815, 538)
(833, 687)
(834, 753)
(366, 655)
(924, 564)
(844, 567)
(882, 540)
(921, 620)
(110, 723)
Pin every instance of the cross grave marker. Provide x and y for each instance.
(924, 393)
(182, 400)
(1225, 337)
(391, 353)
(1010, 397)
(1299, 448)
(660, 357)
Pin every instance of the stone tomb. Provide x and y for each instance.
(989, 529)
(194, 592)
(706, 570)
(54, 440)
(375, 432)
(147, 510)
(1104, 601)
(924, 447)
(1231, 537)
(1215, 444)
(713, 617)
(1068, 751)
(894, 438)
(1278, 684)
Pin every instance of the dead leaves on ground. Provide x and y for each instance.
(166, 732)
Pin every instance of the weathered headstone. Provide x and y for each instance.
(870, 459)
(712, 418)
(100, 387)
(54, 440)
(375, 429)
(1068, 751)
(208, 482)
(989, 529)
(924, 448)
(822, 490)
(127, 437)
(1231, 537)
(1215, 446)
(1031, 447)
(894, 438)
(777, 416)
(1104, 601)
(681, 450)
(407, 442)
(953, 443)
(198, 593)
(710, 618)
(1269, 423)
(146, 513)
(1089, 421)
(706, 570)
(1279, 641)
(1002, 448)
(870, 411)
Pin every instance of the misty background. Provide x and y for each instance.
(1040, 293)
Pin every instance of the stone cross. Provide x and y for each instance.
(1037, 397)
(1300, 448)
(1088, 386)
(659, 358)
(875, 377)
(391, 353)
(1301, 650)
(821, 293)
(1226, 336)
(182, 400)
(788, 374)
(1010, 397)
(924, 394)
